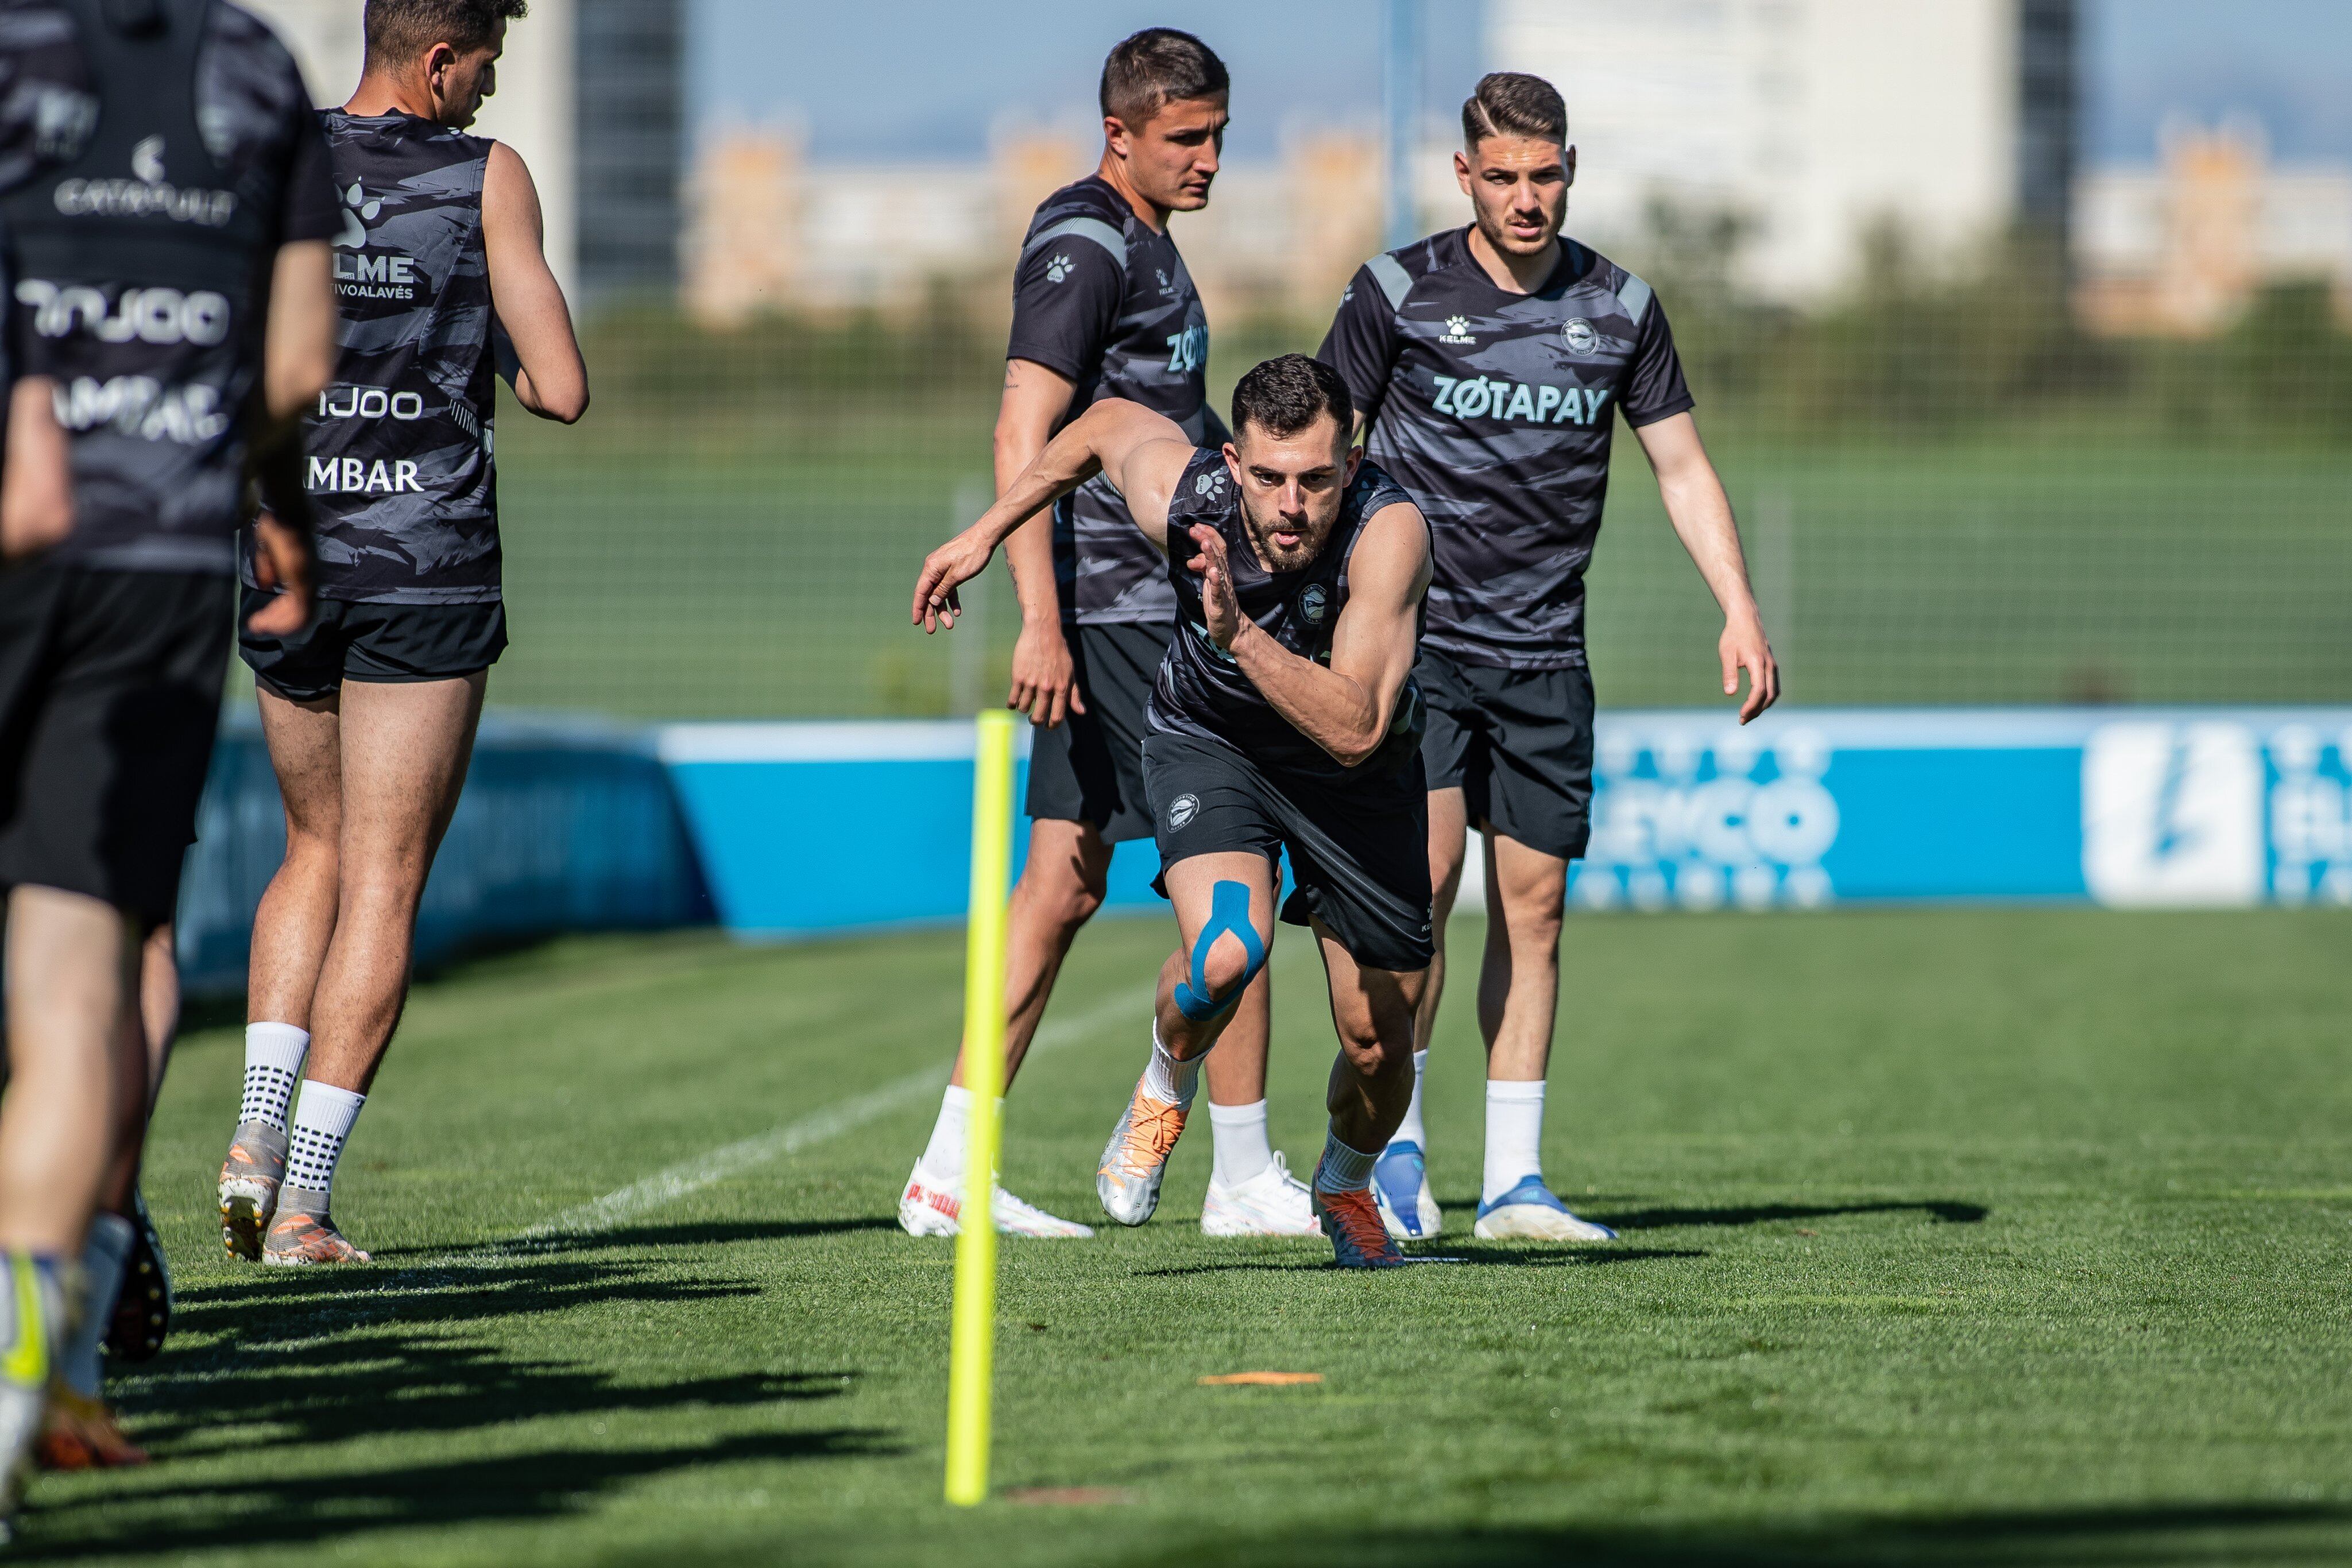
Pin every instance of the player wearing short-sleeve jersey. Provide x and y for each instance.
(1103, 309)
(1490, 365)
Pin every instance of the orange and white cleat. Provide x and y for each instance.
(249, 1180)
(298, 1237)
(79, 1433)
(1136, 1158)
(1358, 1237)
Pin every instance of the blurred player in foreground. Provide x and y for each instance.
(1489, 363)
(167, 206)
(1103, 307)
(1284, 717)
(370, 711)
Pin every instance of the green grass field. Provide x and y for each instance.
(1949, 1237)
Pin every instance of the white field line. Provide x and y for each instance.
(689, 1177)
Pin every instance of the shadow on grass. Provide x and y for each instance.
(713, 1234)
(1468, 1254)
(1765, 1213)
(2153, 1533)
(248, 1508)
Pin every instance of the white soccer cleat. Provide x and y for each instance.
(1136, 1158)
(934, 1207)
(1400, 1188)
(1529, 1212)
(1271, 1203)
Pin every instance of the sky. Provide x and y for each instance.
(844, 72)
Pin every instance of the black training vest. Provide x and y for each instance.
(141, 275)
(1202, 691)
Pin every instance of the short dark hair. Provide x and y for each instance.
(1284, 395)
(400, 30)
(1513, 103)
(1147, 71)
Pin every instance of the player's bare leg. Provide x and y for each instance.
(71, 965)
(1225, 924)
(1401, 1180)
(403, 751)
(1519, 999)
(291, 930)
(1371, 1082)
(129, 1284)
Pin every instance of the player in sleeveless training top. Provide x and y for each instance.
(370, 712)
(1103, 307)
(1283, 719)
(1488, 364)
(167, 214)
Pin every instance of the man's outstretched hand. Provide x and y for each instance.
(1743, 647)
(1219, 607)
(945, 569)
(281, 560)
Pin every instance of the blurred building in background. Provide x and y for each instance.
(591, 94)
(1811, 121)
(2179, 249)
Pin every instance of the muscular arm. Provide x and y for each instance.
(1141, 453)
(297, 349)
(1701, 513)
(549, 376)
(1044, 679)
(1344, 708)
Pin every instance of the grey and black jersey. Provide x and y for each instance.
(1102, 297)
(1202, 691)
(398, 450)
(150, 174)
(1494, 411)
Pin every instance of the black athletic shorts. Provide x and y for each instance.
(110, 696)
(1358, 847)
(1089, 767)
(353, 641)
(1517, 744)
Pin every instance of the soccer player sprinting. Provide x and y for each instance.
(165, 195)
(370, 712)
(1283, 719)
(1103, 307)
(1489, 363)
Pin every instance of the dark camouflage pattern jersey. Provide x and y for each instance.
(149, 179)
(1494, 410)
(1101, 297)
(1202, 691)
(399, 448)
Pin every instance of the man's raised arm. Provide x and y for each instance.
(1141, 453)
(1346, 707)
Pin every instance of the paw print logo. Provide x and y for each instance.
(1457, 325)
(1208, 484)
(1057, 269)
(359, 211)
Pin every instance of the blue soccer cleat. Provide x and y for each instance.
(1401, 1186)
(1530, 1212)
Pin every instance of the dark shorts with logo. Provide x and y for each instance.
(1517, 744)
(1358, 847)
(109, 696)
(352, 641)
(1089, 767)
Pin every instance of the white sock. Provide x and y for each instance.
(1343, 1169)
(1168, 1079)
(1513, 1136)
(103, 1258)
(273, 1065)
(1238, 1133)
(322, 1123)
(943, 1158)
(1409, 1131)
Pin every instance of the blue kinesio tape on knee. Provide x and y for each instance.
(1229, 910)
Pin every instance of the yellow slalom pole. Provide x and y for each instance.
(972, 1345)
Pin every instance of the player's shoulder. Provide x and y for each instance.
(1373, 491)
(1205, 485)
(1396, 276)
(1085, 213)
(255, 44)
(1594, 273)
